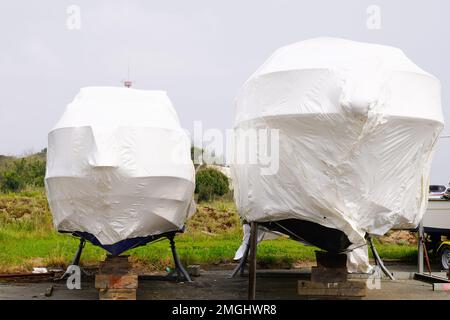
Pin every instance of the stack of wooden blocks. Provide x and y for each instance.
(115, 279)
(329, 279)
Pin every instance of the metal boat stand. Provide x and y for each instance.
(249, 254)
(179, 270)
(377, 258)
(178, 273)
(252, 262)
(242, 262)
(116, 279)
(251, 251)
(75, 260)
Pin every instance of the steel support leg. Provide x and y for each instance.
(378, 259)
(420, 248)
(242, 262)
(252, 262)
(182, 273)
(76, 258)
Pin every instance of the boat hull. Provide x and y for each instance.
(125, 209)
(354, 191)
(123, 245)
(328, 239)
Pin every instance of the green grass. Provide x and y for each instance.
(403, 252)
(21, 251)
(27, 240)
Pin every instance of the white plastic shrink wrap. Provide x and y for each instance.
(119, 165)
(357, 127)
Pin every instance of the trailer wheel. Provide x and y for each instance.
(444, 254)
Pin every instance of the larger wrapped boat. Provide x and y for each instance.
(357, 124)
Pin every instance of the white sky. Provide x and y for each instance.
(200, 52)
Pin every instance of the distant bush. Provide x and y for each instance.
(11, 182)
(16, 174)
(210, 182)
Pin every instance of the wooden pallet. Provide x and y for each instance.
(115, 279)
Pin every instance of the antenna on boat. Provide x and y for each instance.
(128, 83)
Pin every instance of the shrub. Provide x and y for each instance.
(11, 182)
(34, 172)
(210, 182)
(19, 173)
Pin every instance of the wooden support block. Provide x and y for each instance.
(336, 289)
(117, 294)
(328, 275)
(115, 265)
(115, 280)
(107, 281)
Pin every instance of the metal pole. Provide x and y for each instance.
(420, 248)
(242, 262)
(178, 266)
(378, 259)
(245, 259)
(252, 262)
(76, 259)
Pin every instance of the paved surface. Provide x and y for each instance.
(215, 284)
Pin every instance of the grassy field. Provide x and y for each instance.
(27, 240)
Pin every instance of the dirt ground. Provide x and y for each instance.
(215, 284)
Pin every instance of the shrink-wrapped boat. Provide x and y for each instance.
(357, 125)
(119, 171)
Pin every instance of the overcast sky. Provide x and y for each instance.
(200, 52)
